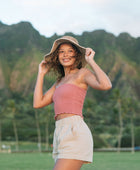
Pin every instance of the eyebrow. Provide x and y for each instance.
(69, 48)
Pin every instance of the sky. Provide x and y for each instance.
(76, 16)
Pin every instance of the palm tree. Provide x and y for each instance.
(0, 129)
(118, 99)
(2, 107)
(132, 105)
(12, 110)
(47, 118)
(49, 112)
(38, 130)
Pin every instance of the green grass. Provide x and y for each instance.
(44, 161)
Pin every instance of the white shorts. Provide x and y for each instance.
(72, 140)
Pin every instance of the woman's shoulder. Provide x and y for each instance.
(82, 74)
(84, 71)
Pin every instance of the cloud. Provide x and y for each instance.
(98, 3)
(40, 3)
(60, 16)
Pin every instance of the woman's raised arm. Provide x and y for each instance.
(40, 99)
(98, 80)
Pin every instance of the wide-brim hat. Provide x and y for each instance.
(67, 39)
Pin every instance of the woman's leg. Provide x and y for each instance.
(68, 164)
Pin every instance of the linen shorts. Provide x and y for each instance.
(72, 140)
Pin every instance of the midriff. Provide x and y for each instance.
(64, 115)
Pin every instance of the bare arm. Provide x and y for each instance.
(98, 80)
(40, 99)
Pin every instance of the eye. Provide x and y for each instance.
(61, 51)
(71, 51)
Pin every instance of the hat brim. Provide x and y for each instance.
(64, 40)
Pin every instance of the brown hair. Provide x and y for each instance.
(54, 64)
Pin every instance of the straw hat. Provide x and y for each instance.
(66, 39)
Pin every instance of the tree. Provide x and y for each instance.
(0, 127)
(117, 97)
(49, 111)
(2, 108)
(47, 119)
(12, 110)
(132, 105)
(38, 130)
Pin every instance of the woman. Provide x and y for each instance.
(73, 144)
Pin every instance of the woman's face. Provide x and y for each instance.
(66, 55)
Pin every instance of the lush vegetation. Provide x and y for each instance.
(113, 116)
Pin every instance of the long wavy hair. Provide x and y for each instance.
(57, 68)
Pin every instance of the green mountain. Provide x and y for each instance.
(22, 48)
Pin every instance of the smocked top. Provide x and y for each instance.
(69, 98)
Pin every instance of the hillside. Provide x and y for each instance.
(22, 48)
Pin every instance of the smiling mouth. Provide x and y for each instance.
(66, 59)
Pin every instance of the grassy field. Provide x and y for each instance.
(44, 161)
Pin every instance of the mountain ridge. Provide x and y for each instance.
(22, 48)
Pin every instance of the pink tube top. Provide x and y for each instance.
(69, 98)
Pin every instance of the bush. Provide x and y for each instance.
(137, 136)
(98, 142)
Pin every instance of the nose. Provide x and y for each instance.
(65, 53)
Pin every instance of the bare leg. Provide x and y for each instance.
(68, 164)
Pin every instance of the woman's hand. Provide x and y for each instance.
(89, 55)
(43, 69)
